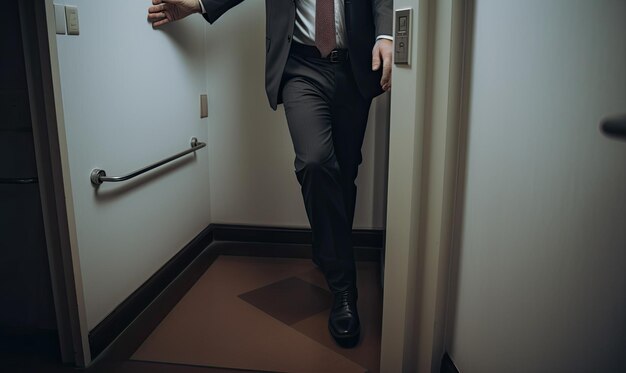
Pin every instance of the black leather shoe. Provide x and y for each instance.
(343, 323)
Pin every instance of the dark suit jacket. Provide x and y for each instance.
(365, 20)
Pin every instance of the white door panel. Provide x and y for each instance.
(541, 278)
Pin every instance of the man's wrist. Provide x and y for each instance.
(201, 9)
(386, 37)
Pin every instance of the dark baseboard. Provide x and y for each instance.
(160, 293)
(447, 365)
(277, 242)
(108, 329)
(370, 238)
(140, 328)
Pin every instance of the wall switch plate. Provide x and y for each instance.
(71, 15)
(204, 106)
(402, 38)
(59, 18)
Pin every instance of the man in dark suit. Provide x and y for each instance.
(326, 60)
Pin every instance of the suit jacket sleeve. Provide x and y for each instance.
(383, 20)
(215, 8)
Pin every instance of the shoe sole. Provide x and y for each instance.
(346, 341)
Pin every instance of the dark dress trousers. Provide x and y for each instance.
(327, 105)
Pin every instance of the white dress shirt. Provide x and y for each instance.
(304, 30)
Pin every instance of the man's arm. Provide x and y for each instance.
(383, 49)
(383, 17)
(166, 11)
(213, 9)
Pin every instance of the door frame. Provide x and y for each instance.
(424, 152)
(42, 73)
(425, 130)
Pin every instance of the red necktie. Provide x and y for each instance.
(325, 39)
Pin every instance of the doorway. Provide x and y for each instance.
(27, 317)
(101, 238)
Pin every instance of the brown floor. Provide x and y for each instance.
(261, 286)
(264, 314)
(25, 365)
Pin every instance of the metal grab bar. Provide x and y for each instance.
(99, 176)
(19, 180)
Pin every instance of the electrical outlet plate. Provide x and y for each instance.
(59, 18)
(204, 106)
(71, 15)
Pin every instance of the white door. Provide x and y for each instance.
(541, 264)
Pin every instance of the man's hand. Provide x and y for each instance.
(383, 51)
(166, 11)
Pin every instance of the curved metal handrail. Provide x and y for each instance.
(99, 176)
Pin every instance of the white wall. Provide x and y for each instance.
(251, 155)
(541, 279)
(130, 98)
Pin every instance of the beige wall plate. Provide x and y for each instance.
(204, 106)
(71, 16)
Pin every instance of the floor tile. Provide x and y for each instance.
(289, 300)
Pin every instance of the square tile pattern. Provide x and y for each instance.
(290, 300)
(266, 314)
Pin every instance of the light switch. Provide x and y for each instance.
(71, 15)
(204, 106)
(59, 18)
(402, 39)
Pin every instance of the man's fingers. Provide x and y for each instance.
(160, 23)
(157, 13)
(384, 51)
(385, 81)
(156, 8)
(387, 66)
(376, 58)
(157, 16)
